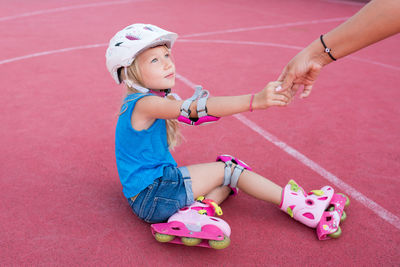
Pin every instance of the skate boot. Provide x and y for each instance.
(321, 209)
(195, 226)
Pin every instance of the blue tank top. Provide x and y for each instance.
(141, 155)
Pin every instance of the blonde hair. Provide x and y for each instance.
(174, 136)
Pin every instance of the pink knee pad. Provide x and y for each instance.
(305, 208)
(231, 177)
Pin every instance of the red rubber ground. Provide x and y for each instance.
(61, 201)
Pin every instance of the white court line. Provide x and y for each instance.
(187, 41)
(263, 27)
(45, 53)
(60, 9)
(348, 189)
(346, 2)
(374, 62)
(283, 46)
(241, 43)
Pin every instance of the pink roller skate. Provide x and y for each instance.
(321, 209)
(195, 226)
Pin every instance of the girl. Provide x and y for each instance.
(147, 129)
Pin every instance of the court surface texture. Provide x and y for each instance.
(61, 199)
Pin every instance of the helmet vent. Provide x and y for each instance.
(133, 38)
(118, 44)
(148, 28)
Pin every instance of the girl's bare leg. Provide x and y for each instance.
(207, 179)
(219, 194)
(260, 187)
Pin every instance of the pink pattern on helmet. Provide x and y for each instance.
(133, 38)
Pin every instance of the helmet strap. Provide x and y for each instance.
(162, 93)
(130, 83)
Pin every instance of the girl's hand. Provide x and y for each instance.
(271, 96)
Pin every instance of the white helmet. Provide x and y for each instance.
(129, 42)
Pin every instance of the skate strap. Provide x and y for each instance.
(227, 172)
(295, 187)
(201, 104)
(317, 192)
(212, 203)
(235, 175)
(200, 198)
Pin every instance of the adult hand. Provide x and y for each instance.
(302, 70)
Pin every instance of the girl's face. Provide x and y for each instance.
(157, 70)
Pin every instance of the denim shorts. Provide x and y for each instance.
(165, 196)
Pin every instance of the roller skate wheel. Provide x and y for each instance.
(344, 217)
(163, 238)
(347, 199)
(220, 244)
(336, 234)
(190, 241)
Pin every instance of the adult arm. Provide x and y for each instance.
(377, 20)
